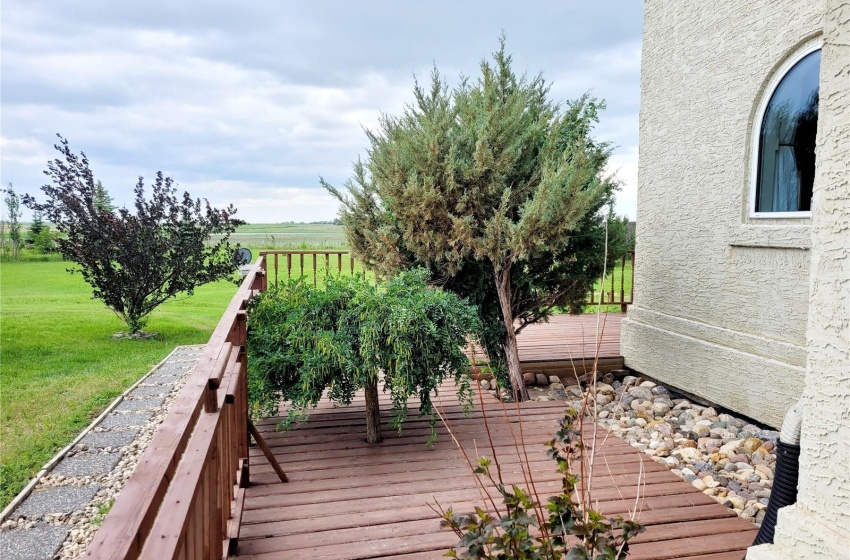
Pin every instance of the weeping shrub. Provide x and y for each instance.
(304, 339)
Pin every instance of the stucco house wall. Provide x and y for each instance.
(752, 314)
(721, 298)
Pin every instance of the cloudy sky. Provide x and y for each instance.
(250, 102)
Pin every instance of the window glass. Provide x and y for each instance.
(786, 169)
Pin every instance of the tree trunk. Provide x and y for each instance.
(373, 413)
(503, 288)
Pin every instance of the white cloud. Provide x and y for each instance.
(256, 102)
(624, 166)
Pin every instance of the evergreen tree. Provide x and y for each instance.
(36, 227)
(101, 198)
(495, 189)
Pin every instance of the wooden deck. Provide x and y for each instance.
(348, 500)
(567, 344)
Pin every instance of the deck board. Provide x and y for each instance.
(350, 500)
(567, 345)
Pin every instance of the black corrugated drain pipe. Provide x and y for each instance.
(786, 474)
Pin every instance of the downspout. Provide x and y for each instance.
(787, 470)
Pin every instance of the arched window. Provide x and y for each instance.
(786, 143)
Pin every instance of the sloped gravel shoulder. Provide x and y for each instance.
(73, 499)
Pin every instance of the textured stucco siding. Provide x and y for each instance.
(716, 291)
(818, 526)
(703, 368)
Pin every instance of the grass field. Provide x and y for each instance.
(60, 365)
(290, 236)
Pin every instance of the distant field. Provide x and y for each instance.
(290, 236)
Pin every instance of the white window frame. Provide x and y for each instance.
(755, 148)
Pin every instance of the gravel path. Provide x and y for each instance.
(724, 456)
(62, 514)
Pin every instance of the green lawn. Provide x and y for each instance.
(60, 365)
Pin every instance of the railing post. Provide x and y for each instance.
(239, 334)
(263, 273)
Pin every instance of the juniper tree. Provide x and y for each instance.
(493, 187)
(134, 261)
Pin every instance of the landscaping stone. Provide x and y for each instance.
(130, 419)
(164, 379)
(149, 391)
(87, 464)
(641, 393)
(62, 499)
(108, 439)
(37, 543)
(134, 405)
(725, 457)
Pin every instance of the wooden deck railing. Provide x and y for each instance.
(614, 292)
(184, 499)
(282, 265)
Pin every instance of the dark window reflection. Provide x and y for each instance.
(786, 170)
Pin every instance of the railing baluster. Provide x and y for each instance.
(623, 284)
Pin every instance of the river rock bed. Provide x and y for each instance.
(725, 457)
(102, 461)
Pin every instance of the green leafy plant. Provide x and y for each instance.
(102, 510)
(572, 529)
(349, 334)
